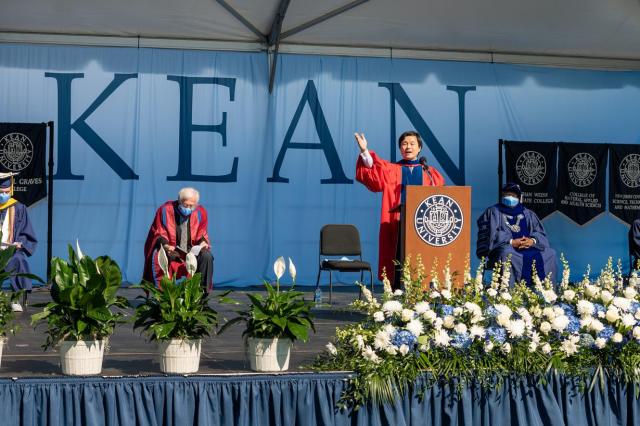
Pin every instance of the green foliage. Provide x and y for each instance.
(83, 293)
(281, 314)
(7, 316)
(176, 310)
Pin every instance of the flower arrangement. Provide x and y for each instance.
(484, 333)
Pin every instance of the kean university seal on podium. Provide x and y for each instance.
(438, 220)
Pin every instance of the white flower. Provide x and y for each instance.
(359, 341)
(503, 319)
(476, 319)
(437, 323)
(78, 251)
(331, 349)
(279, 267)
(446, 294)
(421, 307)
(560, 323)
(616, 338)
(391, 307)
(476, 331)
(524, 314)
(378, 316)
(601, 314)
(488, 347)
(458, 311)
(596, 325)
(389, 329)
(434, 295)
(448, 321)
(545, 327)
(622, 303)
(506, 348)
(407, 315)
(532, 347)
(535, 338)
(441, 338)
(391, 350)
(549, 296)
(163, 261)
(585, 307)
(397, 292)
(473, 308)
(628, 320)
(557, 311)
(515, 328)
(630, 292)
(503, 309)
(430, 315)
(492, 292)
(191, 263)
(569, 295)
(586, 321)
(569, 346)
(382, 340)
(606, 296)
(549, 312)
(612, 314)
(415, 327)
(591, 290)
(366, 293)
(460, 328)
(292, 272)
(600, 343)
(505, 296)
(546, 348)
(636, 333)
(404, 349)
(637, 315)
(536, 311)
(370, 354)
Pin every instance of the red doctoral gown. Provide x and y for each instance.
(164, 226)
(386, 177)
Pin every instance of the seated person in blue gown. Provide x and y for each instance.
(510, 229)
(634, 244)
(18, 232)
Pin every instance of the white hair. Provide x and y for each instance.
(188, 192)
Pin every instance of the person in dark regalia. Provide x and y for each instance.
(510, 229)
(180, 227)
(379, 175)
(634, 244)
(17, 232)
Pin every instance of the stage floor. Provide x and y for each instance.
(131, 354)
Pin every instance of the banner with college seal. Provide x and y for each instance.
(624, 182)
(23, 148)
(581, 180)
(532, 165)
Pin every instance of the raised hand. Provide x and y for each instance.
(362, 142)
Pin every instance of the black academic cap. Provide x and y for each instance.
(512, 187)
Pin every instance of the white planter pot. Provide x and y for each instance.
(269, 354)
(82, 358)
(179, 356)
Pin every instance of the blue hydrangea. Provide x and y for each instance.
(491, 312)
(461, 340)
(569, 310)
(606, 332)
(598, 308)
(497, 334)
(446, 309)
(404, 337)
(574, 324)
(634, 307)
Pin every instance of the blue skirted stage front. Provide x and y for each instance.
(303, 399)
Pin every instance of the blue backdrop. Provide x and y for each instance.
(135, 125)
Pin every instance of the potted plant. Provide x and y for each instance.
(177, 315)
(80, 315)
(273, 322)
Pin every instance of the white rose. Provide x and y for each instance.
(488, 347)
(600, 343)
(616, 338)
(532, 347)
(591, 290)
(397, 292)
(460, 328)
(557, 311)
(597, 326)
(585, 307)
(391, 350)
(569, 295)
(404, 349)
(612, 314)
(586, 322)
(473, 308)
(448, 321)
(546, 348)
(549, 296)
(407, 315)
(429, 315)
(477, 318)
(331, 349)
(458, 311)
(536, 311)
(606, 296)
(630, 292)
(545, 327)
(636, 333)
(628, 320)
(378, 316)
(560, 323)
(548, 312)
(421, 307)
(503, 319)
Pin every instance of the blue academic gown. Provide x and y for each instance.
(22, 232)
(494, 236)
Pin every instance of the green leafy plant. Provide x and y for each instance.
(83, 293)
(176, 310)
(281, 314)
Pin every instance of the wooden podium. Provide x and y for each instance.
(436, 223)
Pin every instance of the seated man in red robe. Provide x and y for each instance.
(179, 227)
(391, 179)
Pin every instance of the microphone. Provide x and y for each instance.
(425, 166)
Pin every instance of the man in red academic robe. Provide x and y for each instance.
(179, 227)
(391, 179)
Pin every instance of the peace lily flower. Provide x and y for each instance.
(292, 271)
(191, 263)
(279, 267)
(163, 261)
(78, 251)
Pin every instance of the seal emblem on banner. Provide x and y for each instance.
(531, 167)
(16, 151)
(582, 169)
(630, 170)
(438, 220)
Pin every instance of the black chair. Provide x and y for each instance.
(341, 240)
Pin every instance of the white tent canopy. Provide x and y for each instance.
(588, 33)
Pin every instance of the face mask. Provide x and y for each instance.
(4, 197)
(510, 201)
(185, 210)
